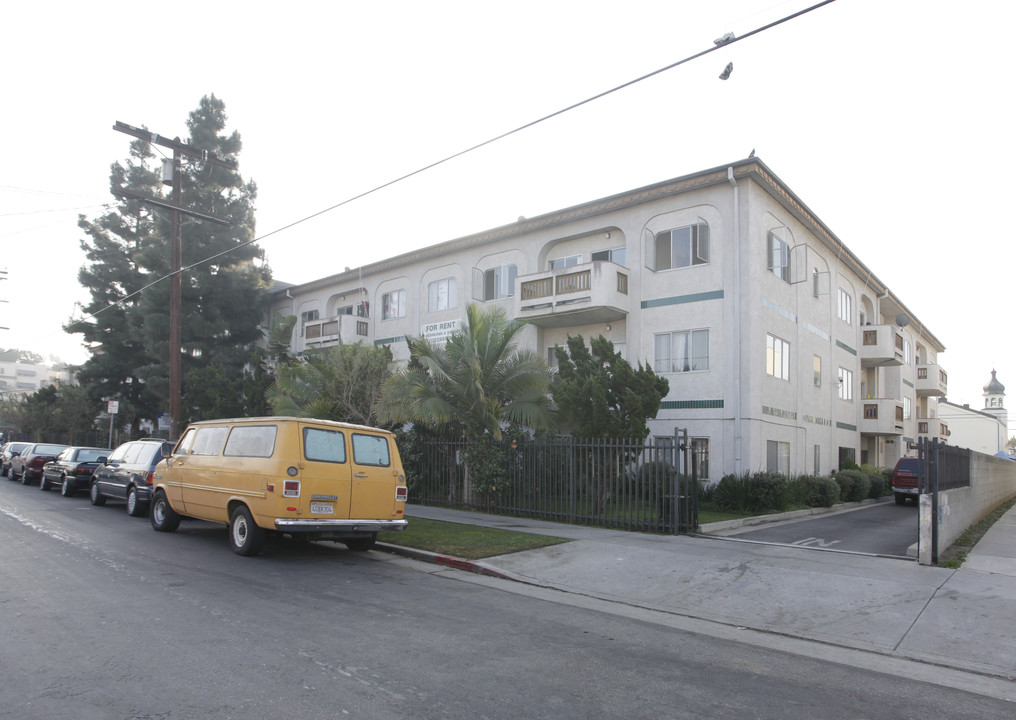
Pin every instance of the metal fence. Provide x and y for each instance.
(625, 484)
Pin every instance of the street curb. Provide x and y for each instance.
(792, 515)
(473, 566)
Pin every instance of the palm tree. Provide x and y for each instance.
(342, 382)
(479, 380)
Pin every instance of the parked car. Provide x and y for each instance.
(27, 465)
(310, 479)
(905, 480)
(127, 474)
(8, 451)
(72, 469)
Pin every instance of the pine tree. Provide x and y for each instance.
(224, 281)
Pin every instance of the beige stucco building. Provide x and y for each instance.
(985, 430)
(783, 350)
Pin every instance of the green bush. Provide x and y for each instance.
(848, 464)
(877, 486)
(862, 486)
(823, 491)
(770, 491)
(854, 485)
(733, 493)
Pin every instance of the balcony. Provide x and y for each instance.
(882, 417)
(584, 294)
(881, 345)
(932, 428)
(931, 380)
(346, 329)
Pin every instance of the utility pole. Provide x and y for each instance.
(176, 248)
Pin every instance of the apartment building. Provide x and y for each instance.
(782, 349)
(20, 378)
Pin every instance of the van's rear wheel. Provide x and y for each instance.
(245, 537)
(361, 544)
(164, 518)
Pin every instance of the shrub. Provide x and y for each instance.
(823, 491)
(862, 486)
(877, 485)
(770, 491)
(848, 464)
(758, 492)
(733, 493)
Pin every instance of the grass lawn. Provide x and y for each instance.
(471, 542)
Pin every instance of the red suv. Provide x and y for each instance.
(905, 480)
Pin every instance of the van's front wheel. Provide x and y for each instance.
(163, 517)
(245, 537)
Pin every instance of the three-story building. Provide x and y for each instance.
(783, 350)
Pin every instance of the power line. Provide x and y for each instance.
(489, 141)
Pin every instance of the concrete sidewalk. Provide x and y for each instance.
(962, 619)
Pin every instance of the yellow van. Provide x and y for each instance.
(312, 479)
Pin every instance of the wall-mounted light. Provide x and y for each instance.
(608, 327)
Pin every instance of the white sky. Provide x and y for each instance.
(891, 119)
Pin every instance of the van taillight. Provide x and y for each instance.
(401, 493)
(291, 488)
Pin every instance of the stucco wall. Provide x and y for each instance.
(992, 482)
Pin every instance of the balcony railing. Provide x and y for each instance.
(931, 380)
(881, 416)
(881, 345)
(341, 328)
(577, 295)
(932, 427)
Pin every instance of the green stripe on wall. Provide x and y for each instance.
(845, 426)
(691, 404)
(846, 347)
(389, 341)
(682, 299)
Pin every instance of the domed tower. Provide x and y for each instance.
(994, 399)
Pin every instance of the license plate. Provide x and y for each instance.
(322, 508)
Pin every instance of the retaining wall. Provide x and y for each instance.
(992, 482)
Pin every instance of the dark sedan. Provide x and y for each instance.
(72, 469)
(28, 465)
(7, 452)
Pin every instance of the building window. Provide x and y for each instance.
(779, 257)
(393, 305)
(499, 282)
(564, 262)
(777, 357)
(614, 255)
(818, 371)
(818, 460)
(306, 317)
(846, 379)
(778, 457)
(442, 294)
(686, 351)
(908, 409)
(814, 282)
(906, 352)
(700, 458)
(682, 247)
(846, 307)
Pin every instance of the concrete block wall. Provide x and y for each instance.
(992, 482)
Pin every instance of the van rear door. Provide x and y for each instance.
(374, 476)
(325, 475)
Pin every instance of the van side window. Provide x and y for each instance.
(324, 445)
(370, 450)
(208, 441)
(251, 441)
(183, 447)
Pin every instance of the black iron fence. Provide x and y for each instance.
(618, 483)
